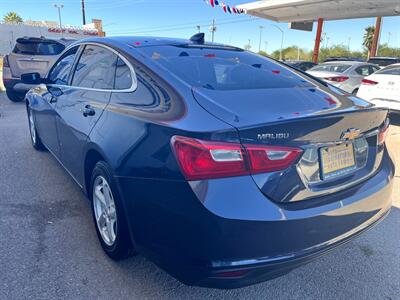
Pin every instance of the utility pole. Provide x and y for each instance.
(259, 45)
(298, 53)
(213, 29)
(198, 28)
(59, 7)
(348, 45)
(266, 45)
(83, 12)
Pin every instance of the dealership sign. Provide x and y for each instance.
(73, 31)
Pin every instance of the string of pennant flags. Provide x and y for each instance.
(225, 7)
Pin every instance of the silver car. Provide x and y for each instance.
(346, 75)
(30, 55)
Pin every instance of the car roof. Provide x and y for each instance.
(384, 57)
(146, 41)
(346, 62)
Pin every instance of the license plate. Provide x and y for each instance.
(337, 160)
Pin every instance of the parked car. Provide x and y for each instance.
(30, 54)
(384, 61)
(383, 88)
(343, 58)
(301, 65)
(346, 75)
(223, 167)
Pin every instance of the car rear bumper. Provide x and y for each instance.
(230, 235)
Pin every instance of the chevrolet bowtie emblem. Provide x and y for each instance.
(350, 134)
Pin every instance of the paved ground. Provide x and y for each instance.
(49, 248)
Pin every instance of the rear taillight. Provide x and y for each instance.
(383, 131)
(337, 78)
(200, 159)
(368, 82)
(5, 62)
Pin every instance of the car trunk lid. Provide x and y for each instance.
(310, 118)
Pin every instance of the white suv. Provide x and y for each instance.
(30, 54)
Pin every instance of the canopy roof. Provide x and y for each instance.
(311, 10)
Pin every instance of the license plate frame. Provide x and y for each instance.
(340, 161)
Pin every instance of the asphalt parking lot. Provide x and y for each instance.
(49, 248)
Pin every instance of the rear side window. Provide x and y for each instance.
(364, 70)
(38, 48)
(60, 71)
(223, 68)
(123, 76)
(338, 68)
(96, 68)
(390, 71)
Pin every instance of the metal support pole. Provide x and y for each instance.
(317, 40)
(375, 41)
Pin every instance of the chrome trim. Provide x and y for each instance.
(133, 74)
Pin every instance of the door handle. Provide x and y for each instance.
(88, 111)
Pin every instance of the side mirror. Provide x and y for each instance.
(31, 78)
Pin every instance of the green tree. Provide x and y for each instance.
(12, 17)
(247, 47)
(368, 38)
(292, 53)
(385, 50)
(263, 53)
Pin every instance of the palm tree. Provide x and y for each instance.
(368, 38)
(12, 17)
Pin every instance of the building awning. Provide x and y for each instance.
(312, 10)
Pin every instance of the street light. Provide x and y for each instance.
(59, 7)
(259, 45)
(282, 37)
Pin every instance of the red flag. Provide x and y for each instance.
(234, 10)
(212, 3)
(224, 7)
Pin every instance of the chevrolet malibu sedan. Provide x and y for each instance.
(223, 167)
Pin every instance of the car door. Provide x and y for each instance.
(52, 91)
(91, 85)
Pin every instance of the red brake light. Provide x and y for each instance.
(337, 78)
(271, 158)
(208, 159)
(5, 62)
(368, 82)
(383, 131)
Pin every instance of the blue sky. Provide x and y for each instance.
(178, 18)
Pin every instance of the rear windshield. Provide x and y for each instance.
(38, 48)
(390, 71)
(382, 61)
(223, 69)
(337, 68)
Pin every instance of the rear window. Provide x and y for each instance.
(390, 71)
(338, 68)
(38, 48)
(223, 68)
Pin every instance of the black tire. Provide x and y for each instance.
(35, 139)
(123, 246)
(355, 92)
(13, 96)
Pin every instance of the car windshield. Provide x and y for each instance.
(223, 68)
(38, 48)
(337, 68)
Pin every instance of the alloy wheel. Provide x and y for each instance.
(104, 210)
